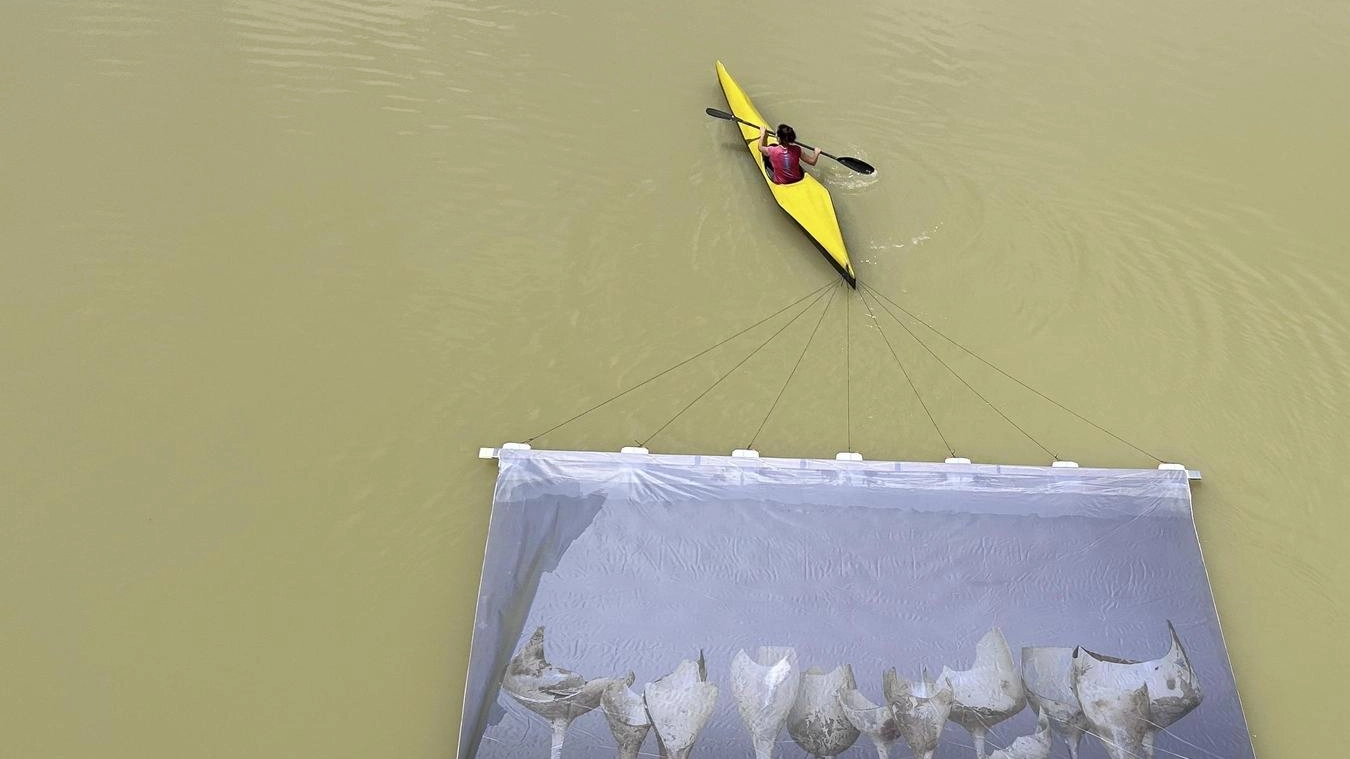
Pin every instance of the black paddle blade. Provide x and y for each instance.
(731, 117)
(862, 167)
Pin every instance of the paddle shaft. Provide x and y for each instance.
(772, 133)
(853, 163)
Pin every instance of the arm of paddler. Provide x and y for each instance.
(811, 158)
(763, 141)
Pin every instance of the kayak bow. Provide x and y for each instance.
(807, 201)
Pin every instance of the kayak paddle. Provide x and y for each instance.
(862, 167)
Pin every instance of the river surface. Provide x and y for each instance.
(272, 270)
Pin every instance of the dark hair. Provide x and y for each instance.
(786, 135)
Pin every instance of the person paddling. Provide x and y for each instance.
(783, 161)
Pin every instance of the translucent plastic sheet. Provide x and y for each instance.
(774, 607)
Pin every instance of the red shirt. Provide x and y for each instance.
(786, 163)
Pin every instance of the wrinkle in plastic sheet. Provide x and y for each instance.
(639, 562)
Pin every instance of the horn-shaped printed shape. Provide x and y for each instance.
(987, 693)
(1171, 682)
(556, 694)
(1034, 746)
(626, 714)
(1047, 678)
(876, 722)
(921, 710)
(765, 689)
(679, 705)
(816, 721)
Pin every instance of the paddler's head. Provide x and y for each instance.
(786, 134)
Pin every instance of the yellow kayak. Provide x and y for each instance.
(807, 201)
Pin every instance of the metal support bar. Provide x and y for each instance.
(748, 453)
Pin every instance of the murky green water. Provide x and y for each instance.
(274, 269)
